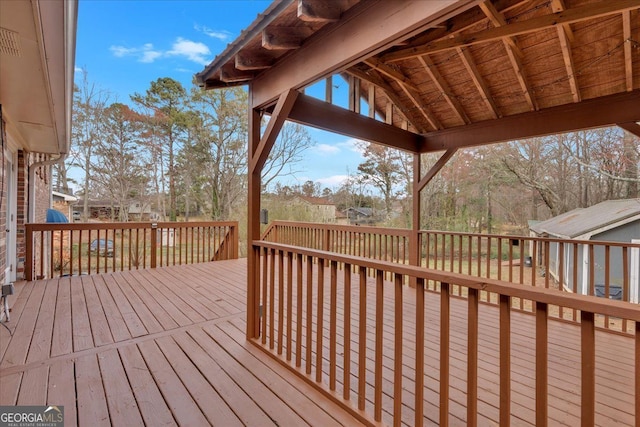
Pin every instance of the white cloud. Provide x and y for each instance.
(190, 50)
(216, 34)
(326, 149)
(79, 70)
(146, 53)
(353, 144)
(193, 51)
(332, 181)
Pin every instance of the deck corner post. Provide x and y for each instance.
(28, 261)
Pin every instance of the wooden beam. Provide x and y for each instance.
(278, 117)
(592, 113)
(436, 167)
(230, 74)
(328, 89)
(284, 38)
(628, 52)
(444, 88)
(319, 10)
(591, 11)
(482, 86)
(364, 30)
(253, 61)
(631, 127)
(375, 78)
(313, 112)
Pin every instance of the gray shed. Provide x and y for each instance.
(612, 221)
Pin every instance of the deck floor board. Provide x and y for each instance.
(167, 347)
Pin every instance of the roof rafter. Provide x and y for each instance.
(376, 79)
(474, 73)
(284, 38)
(628, 55)
(568, 16)
(390, 72)
(513, 51)
(444, 88)
(565, 35)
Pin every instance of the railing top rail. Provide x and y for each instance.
(587, 303)
(353, 228)
(126, 225)
(533, 238)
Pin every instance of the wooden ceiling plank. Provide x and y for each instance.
(444, 88)
(284, 38)
(628, 52)
(374, 78)
(568, 16)
(478, 81)
(591, 113)
(319, 114)
(513, 52)
(390, 72)
(319, 10)
(414, 96)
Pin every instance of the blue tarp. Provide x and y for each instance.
(55, 216)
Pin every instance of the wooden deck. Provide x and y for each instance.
(167, 346)
(150, 347)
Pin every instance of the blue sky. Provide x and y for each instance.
(124, 45)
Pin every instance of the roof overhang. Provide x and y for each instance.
(446, 74)
(37, 53)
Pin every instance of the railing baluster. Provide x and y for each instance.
(541, 363)
(319, 321)
(472, 357)
(588, 356)
(444, 353)
(333, 313)
(505, 361)
(561, 275)
(397, 359)
(419, 367)
(607, 283)
(378, 345)
(362, 339)
(299, 311)
(309, 311)
(625, 286)
(280, 300)
(346, 365)
(265, 281)
(289, 302)
(272, 298)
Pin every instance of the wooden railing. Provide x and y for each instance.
(54, 250)
(361, 340)
(574, 266)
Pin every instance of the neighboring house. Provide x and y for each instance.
(37, 53)
(107, 209)
(613, 221)
(320, 209)
(361, 216)
(64, 203)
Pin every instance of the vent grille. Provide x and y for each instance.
(9, 42)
